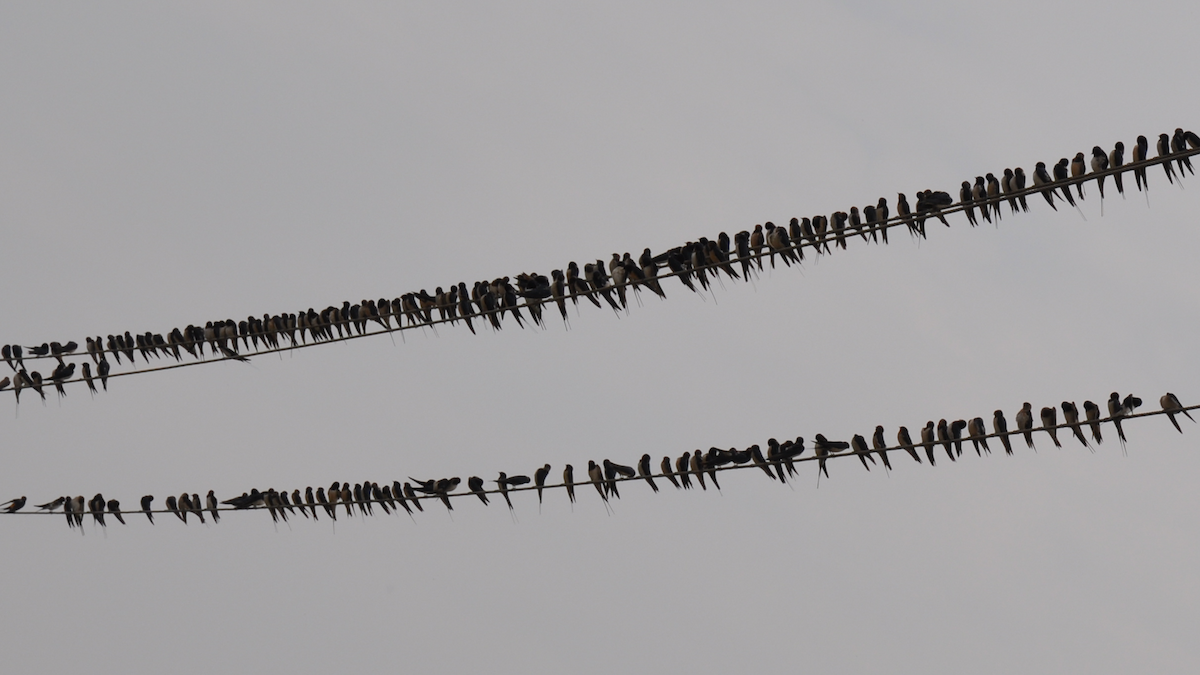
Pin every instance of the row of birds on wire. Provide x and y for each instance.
(778, 463)
(696, 264)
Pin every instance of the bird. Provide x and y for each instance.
(681, 470)
(1078, 170)
(757, 458)
(697, 467)
(1071, 417)
(569, 481)
(1000, 427)
(475, 485)
(978, 434)
(905, 441)
(927, 441)
(146, 501)
(1099, 165)
(51, 505)
(956, 429)
(96, 508)
(645, 472)
(597, 479)
(114, 507)
(1116, 412)
(859, 445)
(173, 507)
(1116, 159)
(665, 467)
(1171, 405)
(1042, 178)
(966, 197)
(943, 434)
(1061, 174)
(505, 481)
(1050, 423)
(211, 502)
(102, 371)
(1025, 423)
(1140, 153)
(14, 505)
(87, 376)
(1179, 145)
(880, 447)
(1164, 150)
(1093, 417)
(1019, 183)
(539, 479)
(823, 448)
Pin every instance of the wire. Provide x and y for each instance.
(829, 237)
(554, 486)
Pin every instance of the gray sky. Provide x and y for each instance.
(165, 165)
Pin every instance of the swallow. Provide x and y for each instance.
(475, 485)
(569, 481)
(966, 198)
(1061, 174)
(1025, 423)
(757, 241)
(956, 429)
(281, 498)
(77, 510)
(1093, 418)
(1116, 412)
(1008, 186)
(610, 478)
(61, 374)
(697, 464)
(505, 481)
(87, 376)
(1179, 145)
(4, 383)
(1099, 165)
(1050, 423)
(943, 435)
(96, 508)
(1078, 170)
(824, 447)
(597, 479)
(1019, 184)
(312, 503)
(114, 507)
(1130, 403)
(211, 501)
(979, 193)
(665, 467)
(993, 194)
(1000, 427)
(978, 434)
(774, 459)
(1071, 417)
(757, 458)
(645, 472)
(42, 350)
(173, 507)
(927, 442)
(904, 440)
(198, 507)
(1164, 150)
(650, 273)
(14, 505)
(1116, 159)
(1141, 152)
(69, 511)
(6, 352)
(146, 508)
(51, 505)
(1041, 178)
(1170, 403)
(681, 470)
(35, 381)
(905, 213)
(411, 495)
(880, 446)
(539, 479)
(102, 371)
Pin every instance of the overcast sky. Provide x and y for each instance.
(164, 165)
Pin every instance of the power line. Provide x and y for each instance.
(817, 242)
(778, 464)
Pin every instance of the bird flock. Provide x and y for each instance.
(696, 264)
(684, 472)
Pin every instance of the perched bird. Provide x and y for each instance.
(569, 481)
(967, 197)
(823, 448)
(539, 479)
(927, 441)
(87, 376)
(1179, 145)
(1050, 423)
(757, 458)
(146, 501)
(978, 434)
(1164, 150)
(697, 467)
(681, 470)
(596, 476)
(1093, 417)
(1061, 174)
(114, 507)
(943, 434)
(211, 502)
(1000, 427)
(1099, 165)
(1071, 417)
(880, 447)
(859, 445)
(51, 505)
(1025, 423)
(905, 441)
(505, 481)
(665, 467)
(1041, 178)
(475, 485)
(102, 371)
(1116, 159)
(645, 472)
(96, 507)
(14, 505)
(1141, 152)
(956, 429)
(1169, 402)
(1078, 170)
